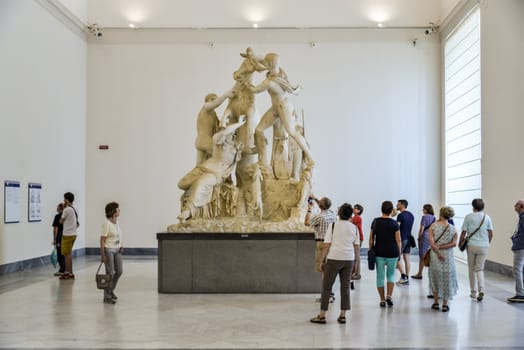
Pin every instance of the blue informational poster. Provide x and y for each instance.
(11, 202)
(34, 191)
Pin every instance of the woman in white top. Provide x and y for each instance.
(340, 243)
(477, 228)
(111, 250)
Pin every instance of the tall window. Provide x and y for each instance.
(463, 116)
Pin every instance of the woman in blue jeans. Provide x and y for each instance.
(384, 238)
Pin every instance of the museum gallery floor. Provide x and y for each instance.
(39, 311)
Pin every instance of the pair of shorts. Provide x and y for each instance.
(67, 244)
(406, 247)
(318, 255)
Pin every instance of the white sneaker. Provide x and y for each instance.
(473, 295)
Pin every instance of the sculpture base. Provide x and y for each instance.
(237, 263)
(239, 225)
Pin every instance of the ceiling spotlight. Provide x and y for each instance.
(132, 26)
(380, 25)
(255, 25)
(94, 29)
(433, 28)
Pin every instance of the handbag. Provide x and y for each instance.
(463, 244)
(372, 258)
(412, 242)
(427, 256)
(103, 280)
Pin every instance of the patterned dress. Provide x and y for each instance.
(423, 242)
(442, 274)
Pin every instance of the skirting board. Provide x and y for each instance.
(127, 251)
(32, 263)
(44, 260)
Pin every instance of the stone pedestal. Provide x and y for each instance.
(237, 263)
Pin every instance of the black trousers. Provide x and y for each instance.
(60, 257)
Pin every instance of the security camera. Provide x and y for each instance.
(431, 29)
(313, 44)
(95, 30)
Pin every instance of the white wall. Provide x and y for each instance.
(371, 102)
(42, 114)
(502, 118)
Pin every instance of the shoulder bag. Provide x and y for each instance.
(427, 256)
(412, 241)
(463, 244)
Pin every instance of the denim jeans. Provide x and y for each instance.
(518, 271)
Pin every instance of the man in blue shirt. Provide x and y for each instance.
(405, 221)
(518, 254)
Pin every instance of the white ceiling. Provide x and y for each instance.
(267, 13)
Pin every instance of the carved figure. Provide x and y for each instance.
(230, 189)
(199, 184)
(252, 180)
(278, 86)
(243, 103)
(207, 125)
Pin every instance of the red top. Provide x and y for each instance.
(357, 221)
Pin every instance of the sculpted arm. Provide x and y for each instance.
(212, 105)
(259, 88)
(220, 136)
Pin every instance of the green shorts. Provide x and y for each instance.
(67, 244)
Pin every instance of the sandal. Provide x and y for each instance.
(341, 319)
(445, 308)
(389, 302)
(435, 306)
(318, 319)
(382, 304)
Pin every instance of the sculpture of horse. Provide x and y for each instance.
(243, 104)
(244, 101)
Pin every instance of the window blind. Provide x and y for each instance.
(463, 116)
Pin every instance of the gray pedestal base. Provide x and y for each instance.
(237, 263)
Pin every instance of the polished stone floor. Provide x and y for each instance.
(39, 311)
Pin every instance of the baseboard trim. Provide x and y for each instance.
(498, 268)
(34, 262)
(44, 260)
(127, 251)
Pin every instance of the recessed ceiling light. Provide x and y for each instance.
(131, 25)
(380, 25)
(255, 25)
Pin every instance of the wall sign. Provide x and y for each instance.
(11, 202)
(34, 200)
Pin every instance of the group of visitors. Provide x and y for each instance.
(338, 245)
(65, 225)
